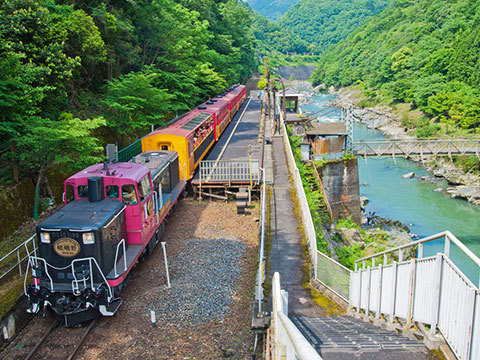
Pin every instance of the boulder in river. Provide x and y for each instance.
(363, 202)
(351, 237)
(409, 175)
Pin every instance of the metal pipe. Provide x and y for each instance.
(164, 244)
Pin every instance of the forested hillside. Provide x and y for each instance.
(69, 67)
(328, 21)
(271, 37)
(271, 9)
(421, 52)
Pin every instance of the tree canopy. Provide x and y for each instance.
(326, 22)
(133, 63)
(418, 52)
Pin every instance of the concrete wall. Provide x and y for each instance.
(296, 72)
(340, 180)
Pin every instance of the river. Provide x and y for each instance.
(412, 201)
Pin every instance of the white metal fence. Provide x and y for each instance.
(15, 262)
(229, 171)
(326, 270)
(430, 290)
(259, 296)
(333, 275)
(289, 343)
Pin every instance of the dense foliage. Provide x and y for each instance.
(420, 52)
(272, 38)
(326, 22)
(68, 67)
(271, 9)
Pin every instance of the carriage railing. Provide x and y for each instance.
(87, 278)
(121, 243)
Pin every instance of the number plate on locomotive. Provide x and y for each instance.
(66, 247)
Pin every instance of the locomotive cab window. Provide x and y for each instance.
(69, 193)
(129, 196)
(144, 188)
(164, 179)
(111, 191)
(82, 191)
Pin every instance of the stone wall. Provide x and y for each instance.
(340, 180)
(16, 206)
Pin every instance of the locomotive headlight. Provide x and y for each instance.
(88, 238)
(45, 237)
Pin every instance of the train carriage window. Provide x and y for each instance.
(112, 191)
(164, 179)
(82, 191)
(129, 196)
(69, 194)
(144, 188)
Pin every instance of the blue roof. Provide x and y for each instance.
(82, 215)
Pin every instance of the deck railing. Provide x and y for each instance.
(430, 290)
(226, 171)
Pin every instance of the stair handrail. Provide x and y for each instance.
(286, 335)
(449, 237)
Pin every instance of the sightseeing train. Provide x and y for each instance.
(114, 213)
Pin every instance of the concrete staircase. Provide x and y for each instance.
(345, 337)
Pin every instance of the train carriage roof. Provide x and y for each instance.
(186, 124)
(122, 170)
(82, 215)
(215, 105)
(156, 160)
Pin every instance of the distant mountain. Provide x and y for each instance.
(271, 9)
(421, 52)
(272, 37)
(327, 22)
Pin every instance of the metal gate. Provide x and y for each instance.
(229, 171)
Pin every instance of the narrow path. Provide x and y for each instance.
(286, 252)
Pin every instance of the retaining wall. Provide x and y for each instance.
(340, 180)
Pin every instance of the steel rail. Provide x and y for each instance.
(41, 341)
(79, 345)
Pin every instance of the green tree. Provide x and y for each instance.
(67, 142)
(133, 103)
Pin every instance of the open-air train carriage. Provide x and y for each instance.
(195, 132)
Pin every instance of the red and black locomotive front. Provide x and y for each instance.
(77, 249)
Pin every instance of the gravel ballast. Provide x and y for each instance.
(204, 277)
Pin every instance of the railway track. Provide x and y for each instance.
(48, 339)
(67, 341)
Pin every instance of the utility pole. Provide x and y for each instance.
(284, 102)
(267, 76)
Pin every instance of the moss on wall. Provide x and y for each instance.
(16, 204)
(56, 177)
(9, 295)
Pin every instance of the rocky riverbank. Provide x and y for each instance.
(376, 233)
(383, 118)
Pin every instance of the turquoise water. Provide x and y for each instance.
(413, 201)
